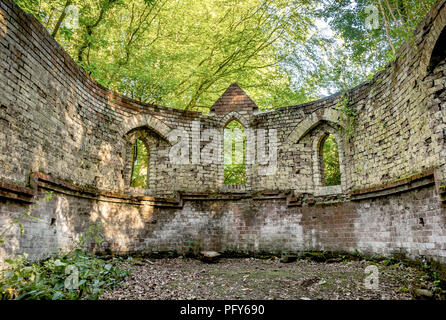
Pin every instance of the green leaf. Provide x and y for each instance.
(59, 263)
(57, 295)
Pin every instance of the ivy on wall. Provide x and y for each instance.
(348, 114)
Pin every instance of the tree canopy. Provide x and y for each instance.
(184, 53)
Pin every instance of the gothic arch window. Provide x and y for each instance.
(329, 161)
(329, 174)
(234, 153)
(140, 164)
(140, 155)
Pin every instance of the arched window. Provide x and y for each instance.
(234, 153)
(331, 171)
(140, 163)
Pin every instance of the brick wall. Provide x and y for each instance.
(61, 131)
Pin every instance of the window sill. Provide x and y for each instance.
(328, 191)
(234, 188)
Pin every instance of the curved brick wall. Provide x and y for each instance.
(61, 131)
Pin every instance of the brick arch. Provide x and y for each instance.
(306, 125)
(248, 170)
(151, 143)
(319, 187)
(145, 120)
(433, 36)
(234, 116)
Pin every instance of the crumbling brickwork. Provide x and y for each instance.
(60, 131)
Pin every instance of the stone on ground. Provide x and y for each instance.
(209, 256)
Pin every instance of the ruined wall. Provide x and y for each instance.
(410, 223)
(62, 132)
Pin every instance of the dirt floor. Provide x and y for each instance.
(250, 278)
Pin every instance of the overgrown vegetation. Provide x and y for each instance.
(74, 275)
(192, 248)
(360, 43)
(77, 274)
(348, 114)
(277, 50)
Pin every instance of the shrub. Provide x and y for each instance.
(73, 275)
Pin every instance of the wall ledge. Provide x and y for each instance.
(415, 181)
(40, 180)
(13, 192)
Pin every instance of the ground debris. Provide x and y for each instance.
(190, 279)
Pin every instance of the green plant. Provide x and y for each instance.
(95, 232)
(387, 262)
(71, 276)
(348, 113)
(192, 248)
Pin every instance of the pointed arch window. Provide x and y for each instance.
(140, 163)
(234, 153)
(329, 159)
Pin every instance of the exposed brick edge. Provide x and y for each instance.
(38, 179)
(44, 181)
(422, 179)
(14, 192)
(309, 199)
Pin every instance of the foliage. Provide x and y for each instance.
(348, 114)
(192, 248)
(139, 48)
(330, 157)
(279, 51)
(235, 163)
(94, 233)
(73, 275)
(140, 165)
(46, 279)
(351, 53)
